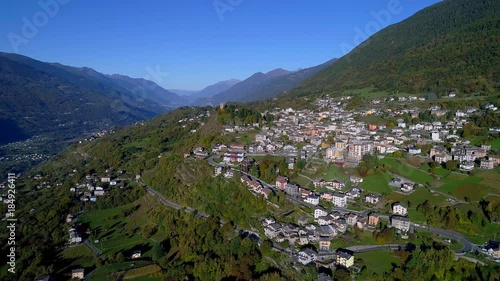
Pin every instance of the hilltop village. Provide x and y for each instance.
(339, 138)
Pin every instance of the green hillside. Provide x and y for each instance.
(453, 45)
(118, 218)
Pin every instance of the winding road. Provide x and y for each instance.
(171, 204)
(322, 255)
(468, 246)
(176, 206)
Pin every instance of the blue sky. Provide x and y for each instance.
(197, 42)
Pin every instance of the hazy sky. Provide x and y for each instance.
(188, 44)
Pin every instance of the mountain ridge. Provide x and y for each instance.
(261, 85)
(39, 98)
(148, 89)
(214, 89)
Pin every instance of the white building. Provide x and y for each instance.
(319, 212)
(312, 199)
(487, 164)
(435, 136)
(414, 150)
(467, 166)
(233, 157)
(372, 198)
(105, 179)
(218, 170)
(99, 191)
(339, 200)
(74, 237)
(401, 223)
(399, 209)
(344, 259)
(229, 174)
(326, 220)
(307, 256)
(357, 149)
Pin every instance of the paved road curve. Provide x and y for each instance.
(468, 246)
(176, 206)
(368, 248)
(171, 204)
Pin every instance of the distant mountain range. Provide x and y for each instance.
(208, 91)
(63, 102)
(261, 86)
(53, 99)
(452, 45)
(216, 88)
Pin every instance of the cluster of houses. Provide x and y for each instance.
(22, 151)
(256, 186)
(233, 157)
(199, 119)
(304, 234)
(327, 226)
(94, 187)
(232, 154)
(42, 181)
(467, 155)
(337, 197)
(335, 134)
(264, 144)
(228, 174)
(283, 184)
(342, 258)
(400, 99)
(32, 157)
(98, 135)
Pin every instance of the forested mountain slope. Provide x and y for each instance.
(452, 45)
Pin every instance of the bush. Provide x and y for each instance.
(120, 257)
